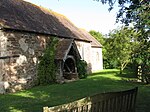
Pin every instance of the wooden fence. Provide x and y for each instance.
(123, 101)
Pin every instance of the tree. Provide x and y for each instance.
(98, 36)
(141, 58)
(137, 12)
(119, 47)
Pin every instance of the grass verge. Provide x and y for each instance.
(33, 100)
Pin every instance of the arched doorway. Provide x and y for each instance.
(69, 68)
(66, 56)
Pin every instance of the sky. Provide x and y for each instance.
(85, 14)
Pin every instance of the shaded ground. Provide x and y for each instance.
(33, 100)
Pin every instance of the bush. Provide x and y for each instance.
(46, 67)
(82, 69)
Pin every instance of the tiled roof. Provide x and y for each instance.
(25, 16)
(63, 48)
(21, 15)
(94, 42)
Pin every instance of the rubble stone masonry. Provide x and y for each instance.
(19, 53)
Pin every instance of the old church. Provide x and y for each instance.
(25, 30)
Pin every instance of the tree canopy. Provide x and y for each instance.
(137, 13)
(98, 36)
(119, 46)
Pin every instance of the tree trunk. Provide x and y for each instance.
(121, 70)
(122, 67)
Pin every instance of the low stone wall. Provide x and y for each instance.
(19, 53)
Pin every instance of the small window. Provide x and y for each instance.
(97, 56)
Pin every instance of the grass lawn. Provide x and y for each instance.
(33, 100)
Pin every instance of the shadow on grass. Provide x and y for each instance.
(18, 103)
(127, 74)
(33, 100)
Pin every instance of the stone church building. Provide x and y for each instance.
(25, 30)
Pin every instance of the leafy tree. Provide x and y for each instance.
(137, 12)
(141, 58)
(119, 47)
(98, 36)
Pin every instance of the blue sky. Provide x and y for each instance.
(86, 14)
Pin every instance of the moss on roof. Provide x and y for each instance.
(25, 16)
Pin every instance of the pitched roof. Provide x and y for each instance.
(21, 15)
(63, 48)
(68, 24)
(94, 42)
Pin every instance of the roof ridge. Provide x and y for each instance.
(27, 16)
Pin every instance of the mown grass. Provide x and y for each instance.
(33, 100)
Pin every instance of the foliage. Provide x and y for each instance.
(82, 68)
(46, 68)
(141, 58)
(119, 47)
(132, 11)
(34, 99)
(98, 36)
(137, 13)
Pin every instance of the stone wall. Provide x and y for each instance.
(19, 56)
(19, 53)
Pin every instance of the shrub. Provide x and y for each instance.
(46, 67)
(82, 68)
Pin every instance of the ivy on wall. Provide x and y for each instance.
(46, 67)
